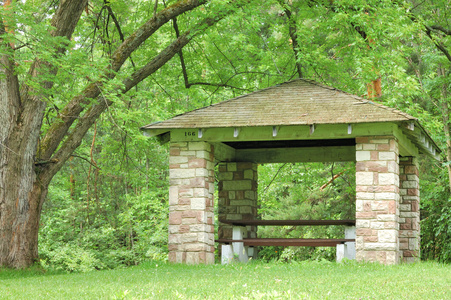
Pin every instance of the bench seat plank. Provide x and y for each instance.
(288, 222)
(287, 242)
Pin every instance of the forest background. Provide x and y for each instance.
(88, 92)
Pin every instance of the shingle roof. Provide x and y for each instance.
(297, 102)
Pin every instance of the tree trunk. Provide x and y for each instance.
(23, 184)
(19, 225)
(447, 131)
(21, 194)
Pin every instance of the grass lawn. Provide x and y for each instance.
(307, 280)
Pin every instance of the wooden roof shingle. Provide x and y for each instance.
(297, 102)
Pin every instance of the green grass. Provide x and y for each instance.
(309, 280)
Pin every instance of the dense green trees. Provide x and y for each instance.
(79, 77)
(52, 68)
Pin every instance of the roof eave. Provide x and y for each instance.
(421, 138)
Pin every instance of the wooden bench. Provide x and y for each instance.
(240, 248)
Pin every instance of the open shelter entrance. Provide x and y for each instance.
(297, 121)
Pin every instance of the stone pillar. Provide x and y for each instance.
(409, 218)
(237, 195)
(377, 199)
(191, 229)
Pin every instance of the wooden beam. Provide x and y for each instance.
(295, 132)
(304, 154)
(421, 139)
(288, 222)
(406, 147)
(154, 132)
(224, 152)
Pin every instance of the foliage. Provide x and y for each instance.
(304, 191)
(312, 280)
(108, 206)
(435, 215)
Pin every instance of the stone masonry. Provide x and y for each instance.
(409, 218)
(191, 229)
(377, 199)
(237, 195)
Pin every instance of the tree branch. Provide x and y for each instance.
(119, 30)
(173, 49)
(293, 35)
(84, 123)
(183, 65)
(331, 5)
(64, 22)
(180, 53)
(442, 29)
(87, 160)
(149, 28)
(72, 110)
(439, 45)
(428, 30)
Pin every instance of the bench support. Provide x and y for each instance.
(237, 251)
(347, 250)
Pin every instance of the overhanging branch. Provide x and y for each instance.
(184, 70)
(174, 48)
(438, 44)
(73, 109)
(85, 122)
(442, 29)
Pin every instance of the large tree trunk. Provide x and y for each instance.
(21, 195)
(23, 187)
(19, 224)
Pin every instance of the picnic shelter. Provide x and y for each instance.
(296, 121)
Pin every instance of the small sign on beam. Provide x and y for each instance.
(275, 130)
(200, 133)
(349, 128)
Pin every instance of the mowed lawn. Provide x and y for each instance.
(307, 280)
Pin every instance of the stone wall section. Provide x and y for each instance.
(237, 195)
(377, 199)
(409, 218)
(191, 215)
